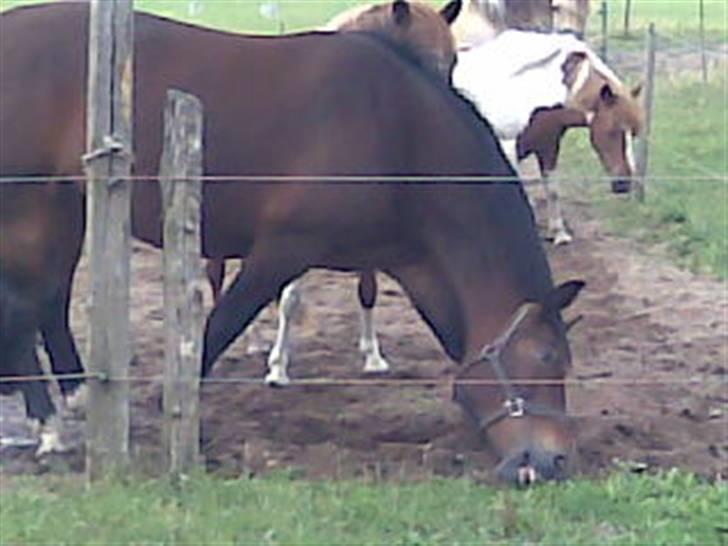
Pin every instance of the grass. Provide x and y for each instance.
(678, 18)
(672, 508)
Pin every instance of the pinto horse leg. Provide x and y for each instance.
(254, 287)
(368, 343)
(61, 348)
(556, 225)
(279, 357)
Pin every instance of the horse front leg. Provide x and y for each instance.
(374, 362)
(557, 230)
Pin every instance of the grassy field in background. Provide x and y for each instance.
(673, 16)
(671, 509)
(679, 18)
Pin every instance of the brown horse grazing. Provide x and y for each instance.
(317, 105)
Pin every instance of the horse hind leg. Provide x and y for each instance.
(260, 282)
(62, 351)
(39, 407)
(280, 354)
(374, 362)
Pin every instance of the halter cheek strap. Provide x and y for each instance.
(514, 406)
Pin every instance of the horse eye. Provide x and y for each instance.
(551, 356)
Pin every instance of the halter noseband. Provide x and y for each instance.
(515, 405)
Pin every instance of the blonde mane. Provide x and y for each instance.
(417, 26)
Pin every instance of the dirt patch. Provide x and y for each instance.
(646, 322)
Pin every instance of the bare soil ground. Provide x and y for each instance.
(646, 322)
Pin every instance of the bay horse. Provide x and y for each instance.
(335, 104)
(533, 86)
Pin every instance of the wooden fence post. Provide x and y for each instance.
(604, 48)
(643, 147)
(180, 171)
(627, 13)
(108, 165)
(703, 59)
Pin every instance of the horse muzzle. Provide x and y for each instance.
(527, 467)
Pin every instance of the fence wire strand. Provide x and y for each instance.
(404, 179)
(374, 381)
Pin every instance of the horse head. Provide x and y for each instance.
(615, 114)
(525, 422)
(416, 26)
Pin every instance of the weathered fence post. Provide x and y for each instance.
(703, 59)
(643, 147)
(604, 48)
(180, 170)
(627, 13)
(108, 165)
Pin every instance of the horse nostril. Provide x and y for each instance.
(621, 185)
(560, 463)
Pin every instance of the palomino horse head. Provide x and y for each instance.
(416, 26)
(614, 114)
(479, 21)
(525, 423)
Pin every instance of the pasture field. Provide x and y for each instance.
(670, 509)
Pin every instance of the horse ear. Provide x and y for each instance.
(637, 90)
(607, 95)
(563, 295)
(400, 12)
(570, 67)
(451, 11)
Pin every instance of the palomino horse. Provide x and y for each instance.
(533, 86)
(468, 256)
(425, 33)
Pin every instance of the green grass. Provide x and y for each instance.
(686, 209)
(672, 508)
(238, 15)
(678, 18)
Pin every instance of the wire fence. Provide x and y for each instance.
(706, 175)
(598, 379)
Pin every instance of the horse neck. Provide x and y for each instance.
(496, 265)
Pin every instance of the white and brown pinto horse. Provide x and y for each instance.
(533, 86)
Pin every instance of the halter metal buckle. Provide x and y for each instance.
(516, 407)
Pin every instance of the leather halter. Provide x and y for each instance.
(515, 405)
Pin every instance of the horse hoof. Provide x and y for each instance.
(77, 400)
(277, 378)
(375, 364)
(562, 238)
(50, 438)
